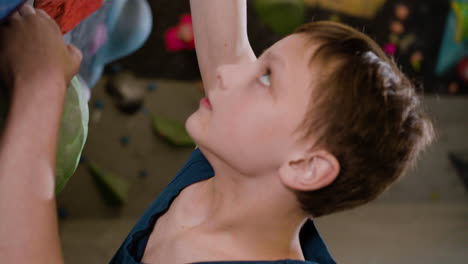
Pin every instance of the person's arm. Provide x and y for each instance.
(220, 29)
(36, 66)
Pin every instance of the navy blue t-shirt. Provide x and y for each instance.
(198, 169)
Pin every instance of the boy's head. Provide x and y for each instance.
(323, 109)
(365, 112)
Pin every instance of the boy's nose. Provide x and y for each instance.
(221, 76)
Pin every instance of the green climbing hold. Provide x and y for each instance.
(113, 188)
(460, 9)
(282, 16)
(73, 133)
(73, 130)
(172, 131)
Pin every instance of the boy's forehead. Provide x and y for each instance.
(294, 42)
(296, 51)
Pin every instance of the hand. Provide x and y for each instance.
(32, 51)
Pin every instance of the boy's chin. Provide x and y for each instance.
(194, 129)
(198, 130)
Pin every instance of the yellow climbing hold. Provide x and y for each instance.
(359, 8)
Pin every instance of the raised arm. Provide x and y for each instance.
(220, 28)
(35, 66)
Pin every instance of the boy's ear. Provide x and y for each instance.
(309, 171)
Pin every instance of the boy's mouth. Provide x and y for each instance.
(205, 102)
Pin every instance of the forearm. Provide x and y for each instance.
(220, 29)
(28, 223)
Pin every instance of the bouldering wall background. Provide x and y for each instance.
(422, 219)
(136, 144)
(411, 30)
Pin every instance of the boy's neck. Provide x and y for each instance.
(257, 211)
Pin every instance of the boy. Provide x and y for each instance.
(323, 121)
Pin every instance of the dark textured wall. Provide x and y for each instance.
(426, 22)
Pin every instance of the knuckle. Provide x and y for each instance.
(43, 13)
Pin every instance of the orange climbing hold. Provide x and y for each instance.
(68, 13)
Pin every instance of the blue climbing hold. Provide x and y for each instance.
(152, 87)
(115, 68)
(98, 104)
(143, 174)
(145, 111)
(125, 140)
(8, 6)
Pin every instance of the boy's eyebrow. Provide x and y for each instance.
(274, 57)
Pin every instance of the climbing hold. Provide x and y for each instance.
(416, 60)
(125, 140)
(435, 196)
(406, 42)
(335, 18)
(402, 11)
(100, 38)
(461, 14)
(362, 9)
(390, 49)
(282, 16)
(8, 6)
(99, 104)
(128, 92)
(453, 88)
(462, 70)
(172, 131)
(113, 189)
(180, 37)
(145, 111)
(114, 68)
(142, 174)
(394, 38)
(453, 46)
(152, 86)
(397, 27)
(68, 13)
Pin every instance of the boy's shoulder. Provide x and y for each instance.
(196, 169)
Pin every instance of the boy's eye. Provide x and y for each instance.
(265, 79)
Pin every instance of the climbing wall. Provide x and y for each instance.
(410, 30)
(104, 31)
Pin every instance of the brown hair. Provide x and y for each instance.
(365, 112)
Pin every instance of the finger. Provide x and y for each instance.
(14, 16)
(43, 13)
(26, 10)
(76, 56)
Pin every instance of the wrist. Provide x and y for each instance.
(38, 99)
(50, 89)
(36, 109)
